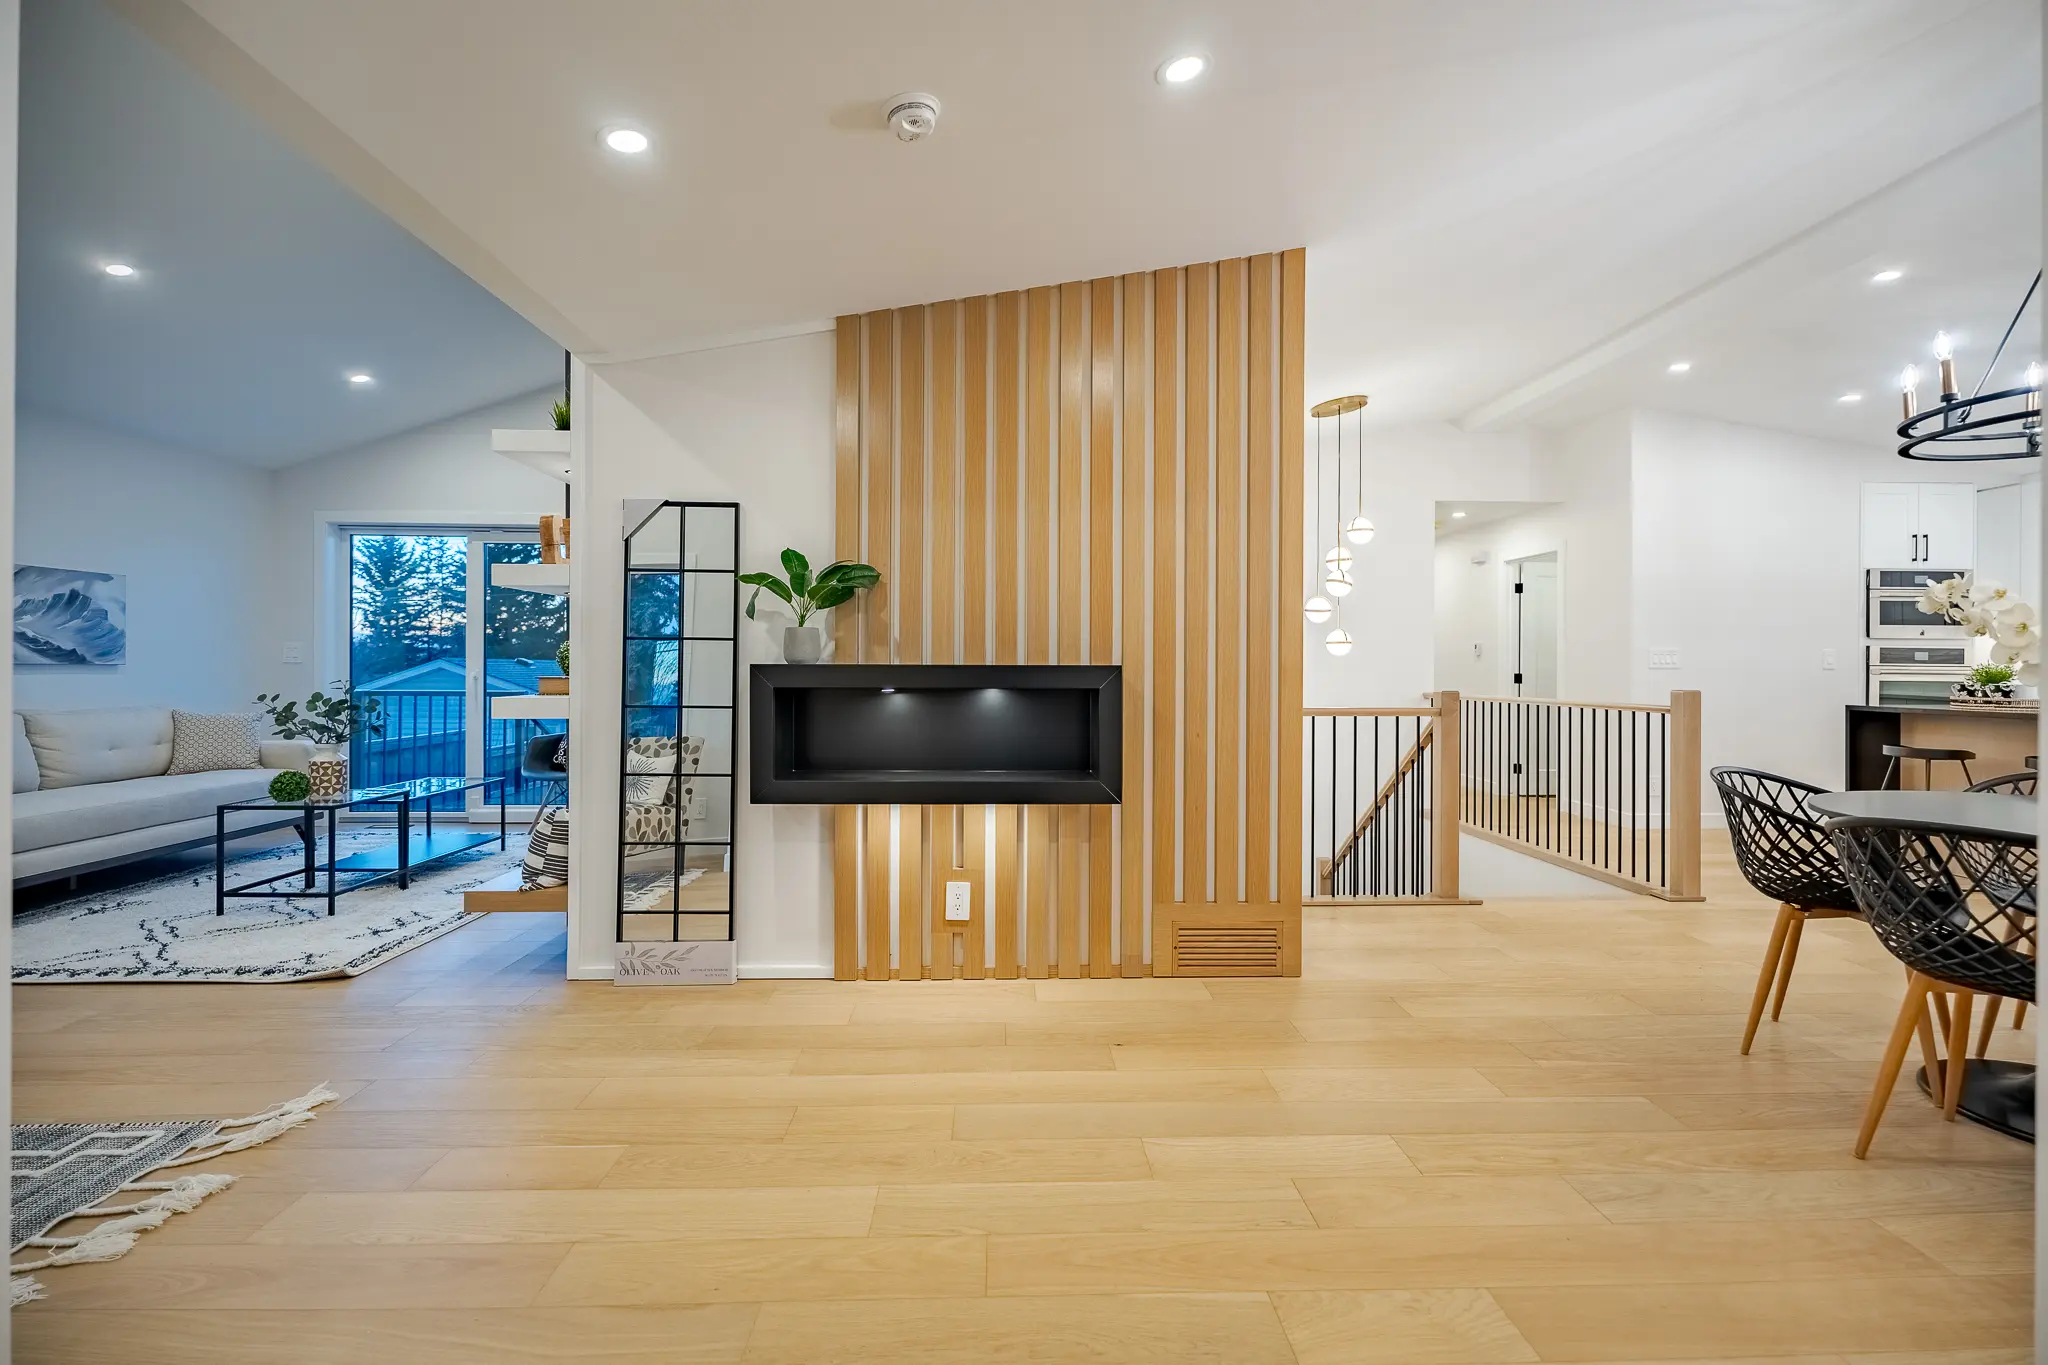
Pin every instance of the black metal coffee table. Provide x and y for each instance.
(396, 859)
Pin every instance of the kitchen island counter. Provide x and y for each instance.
(2001, 738)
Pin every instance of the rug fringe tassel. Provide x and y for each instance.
(27, 1289)
(116, 1237)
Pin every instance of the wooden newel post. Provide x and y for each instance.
(1684, 834)
(1444, 801)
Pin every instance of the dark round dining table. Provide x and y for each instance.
(1999, 1095)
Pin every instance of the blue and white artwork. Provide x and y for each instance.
(69, 616)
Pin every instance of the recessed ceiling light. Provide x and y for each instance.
(1850, 398)
(1181, 70)
(630, 141)
(360, 378)
(120, 270)
(1456, 515)
(1886, 276)
(1678, 367)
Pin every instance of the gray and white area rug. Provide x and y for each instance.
(65, 1171)
(165, 929)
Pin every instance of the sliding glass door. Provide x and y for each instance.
(438, 645)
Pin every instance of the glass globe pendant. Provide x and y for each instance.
(1338, 584)
(1338, 642)
(1317, 609)
(1360, 531)
(1338, 559)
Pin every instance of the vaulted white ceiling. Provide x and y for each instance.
(261, 281)
(1502, 200)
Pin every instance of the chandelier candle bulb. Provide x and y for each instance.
(1909, 380)
(1945, 356)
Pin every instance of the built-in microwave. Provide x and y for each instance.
(1905, 675)
(1892, 610)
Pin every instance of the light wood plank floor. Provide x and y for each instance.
(1511, 1132)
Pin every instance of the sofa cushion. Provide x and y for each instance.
(62, 815)
(206, 744)
(26, 776)
(74, 748)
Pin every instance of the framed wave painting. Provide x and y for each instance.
(69, 616)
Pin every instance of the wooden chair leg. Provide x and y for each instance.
(1769, 973)
(1785, 964)
(1940, 998)
(1912, 1015)
(1930, 1054)
(1990, 1025)
(1958, 1055)
(2019, 1015)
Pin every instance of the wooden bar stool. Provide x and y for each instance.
(1929, 757)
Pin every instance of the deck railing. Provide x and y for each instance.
(1382, 809)
(424, 736)
(1608, 790)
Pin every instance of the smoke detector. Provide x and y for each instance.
(911, 116)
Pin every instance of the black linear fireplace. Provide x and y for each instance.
(937, 734)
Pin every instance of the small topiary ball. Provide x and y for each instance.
(289, 787)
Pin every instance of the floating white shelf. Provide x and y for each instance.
(530, 707)
(551, 580)
(543, 450)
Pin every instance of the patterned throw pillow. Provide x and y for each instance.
(547, 850)
(205, 744)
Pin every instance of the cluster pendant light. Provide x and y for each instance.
(1338, 562)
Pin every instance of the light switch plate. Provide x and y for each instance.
(1663, 658)
(1827, 658)
(294, 652)
(959, 902)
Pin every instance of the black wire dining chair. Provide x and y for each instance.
(1957, 908)
(1784, 852)
(2012, 784)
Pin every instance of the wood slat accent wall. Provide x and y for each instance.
(1105, 471)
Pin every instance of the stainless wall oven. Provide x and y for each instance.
(1892, 606)
(1914, 674)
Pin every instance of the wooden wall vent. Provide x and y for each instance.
(1227, 949)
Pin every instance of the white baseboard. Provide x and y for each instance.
(795, 971)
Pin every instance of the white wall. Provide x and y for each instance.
(746, 424)
(443, 474)
(190, 533)
(1472, 600)
(1746, 561)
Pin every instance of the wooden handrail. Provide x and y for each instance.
(1423, 711)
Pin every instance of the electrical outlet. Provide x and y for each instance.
(959, 902)
(294, 652)
(1827, 658)
(1663, 658)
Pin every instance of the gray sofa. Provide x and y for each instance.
(93, 789)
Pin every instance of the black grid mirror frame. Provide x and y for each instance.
(679, 674)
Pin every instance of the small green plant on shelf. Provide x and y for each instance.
(323, 719)
(834, 585)
(560, 414)
(562, 658)
(1990, 675)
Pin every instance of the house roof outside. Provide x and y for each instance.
(502, 677)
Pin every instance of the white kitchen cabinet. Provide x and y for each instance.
(1919, 525)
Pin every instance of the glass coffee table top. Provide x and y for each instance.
(420, 790)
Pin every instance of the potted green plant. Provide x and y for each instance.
(1987, 682)
(558, 413)
(808, 595)
(329, 722)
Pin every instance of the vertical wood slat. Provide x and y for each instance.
(1038, 888)
(974, 480)
(943, 452)
(878, 441)
(1072, 516)
(877, 966)
(1131, 815)
(1009, 470)
(1101, 592)
(1165, 574)
(1197, 563)
(911, 834)
(973, 858)
(846, 485)
(910, 513)
(1006, 890)
(1293, 405)
(939, 856)
(1264, 645)
(1229, 561)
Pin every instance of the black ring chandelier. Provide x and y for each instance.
(2005, 425)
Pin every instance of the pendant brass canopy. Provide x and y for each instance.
(1337, 407)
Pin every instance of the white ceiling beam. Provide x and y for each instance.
(178, 29)
(1792, 262)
